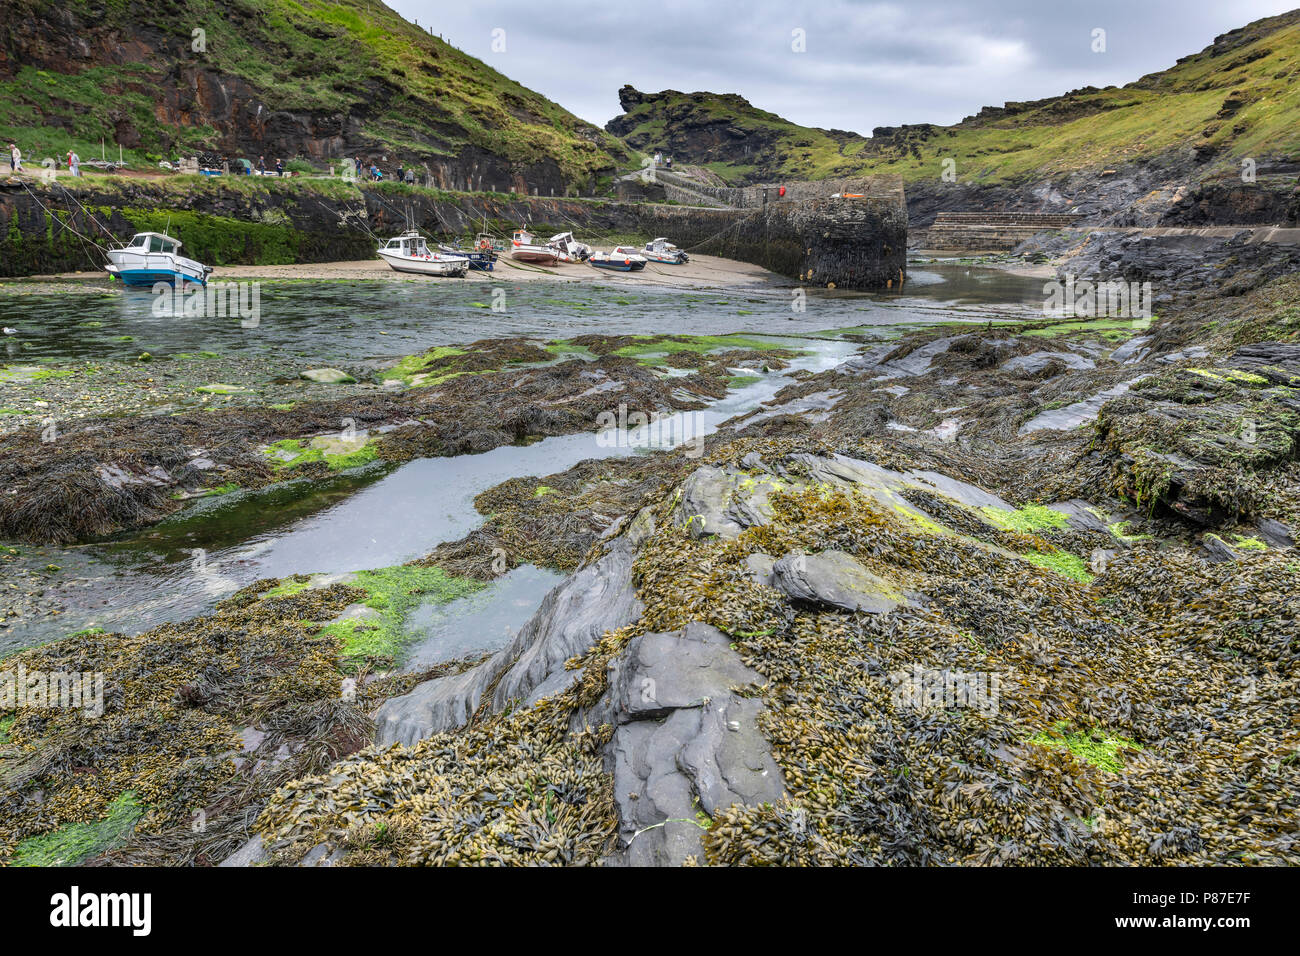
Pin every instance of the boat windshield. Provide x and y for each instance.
(159, 244)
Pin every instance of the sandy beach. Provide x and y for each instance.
(700, 272)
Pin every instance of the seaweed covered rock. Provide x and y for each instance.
(716, 501)
(835, 579)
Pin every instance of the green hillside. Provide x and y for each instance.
(351, 64)
(1240, 97)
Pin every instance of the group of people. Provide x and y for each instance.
(405, 174)
(261, 166)
(16, 160)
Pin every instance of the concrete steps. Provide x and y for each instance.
(990, 231)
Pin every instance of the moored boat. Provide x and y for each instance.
(568, 249)
(525, 249)
(482, 257)
(410, 253)
(619, 260)
(152, 257)
(661, 250)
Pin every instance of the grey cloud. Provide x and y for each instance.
(867, 64)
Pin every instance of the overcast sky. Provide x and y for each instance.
(865, 64)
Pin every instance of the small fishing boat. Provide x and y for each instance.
(152, 257)
(661, 250)
(619, 260)
(410, 253)
(524, 248)
(482, 257)
(569, 249)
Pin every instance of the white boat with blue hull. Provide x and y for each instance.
(410, 253)
(153, 257)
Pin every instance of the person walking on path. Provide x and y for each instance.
(15, 158)
(279, 167)
(74, 163)
(261, 165)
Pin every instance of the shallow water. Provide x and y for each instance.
(389, 515)
(341, 322)
(183, 566)
(482, 622)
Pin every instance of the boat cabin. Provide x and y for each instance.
(408, 244)
(153, 242)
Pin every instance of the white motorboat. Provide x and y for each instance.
(621, 259)
(661, 250)
(152, 257)
(410, 253)
(568, 249)
(524, 248)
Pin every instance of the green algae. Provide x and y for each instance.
(413, 365)
(308, 452)
(394, 593)
(17, 374)
(220, 388)
(1026, 519)
(1121, 529)
(1116, 330)
(74, 843)
(1063, 563)
(655, 350)
(1248, 543)
(1093, 746)
(740, 381)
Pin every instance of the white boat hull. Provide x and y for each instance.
(427, 265)
(148, 268)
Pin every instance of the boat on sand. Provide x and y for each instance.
(525, 249)
(618, 261)
(410, 253)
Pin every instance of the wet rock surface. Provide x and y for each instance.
(573, 616)
(834, 578)
(683, 743)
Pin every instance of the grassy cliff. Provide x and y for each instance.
(336, 76)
